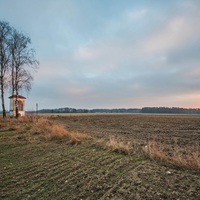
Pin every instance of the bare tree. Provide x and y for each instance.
(16, 62)
(23, 61)
(5, 31)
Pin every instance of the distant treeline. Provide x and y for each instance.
(73, 110)
(63, 110)
(170, 110)
(117, 110)
(167, 110)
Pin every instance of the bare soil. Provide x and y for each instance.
(59, 170)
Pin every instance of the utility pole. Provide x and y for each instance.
(37, 108)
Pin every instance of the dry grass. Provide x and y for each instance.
(189, 157)
(17, 124)
(29, 118)
(44, 129)
(8, 124)
(116, 145)
(37, 127)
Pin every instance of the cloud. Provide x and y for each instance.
(112, 54)
(76, 90)
(179, 31)
(135, 15)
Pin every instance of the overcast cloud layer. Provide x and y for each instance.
(111, 53)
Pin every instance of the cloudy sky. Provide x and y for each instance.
(111, 53)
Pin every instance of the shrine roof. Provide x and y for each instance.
(17, 96)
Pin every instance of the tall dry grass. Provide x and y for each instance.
(45, 129)
(119, 146)
(8, 124)
(29, 118)
(17, 124)
(39, 128)
(187, 157)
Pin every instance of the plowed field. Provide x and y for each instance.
(58, 170)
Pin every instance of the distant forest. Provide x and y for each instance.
(167, 110)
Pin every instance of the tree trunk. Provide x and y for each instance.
(13, 78)
(16, 106)
(2, 100)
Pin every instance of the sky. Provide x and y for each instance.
(111, 53)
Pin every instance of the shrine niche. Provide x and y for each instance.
(17, 101)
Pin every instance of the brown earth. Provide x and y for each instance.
(58, 170)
